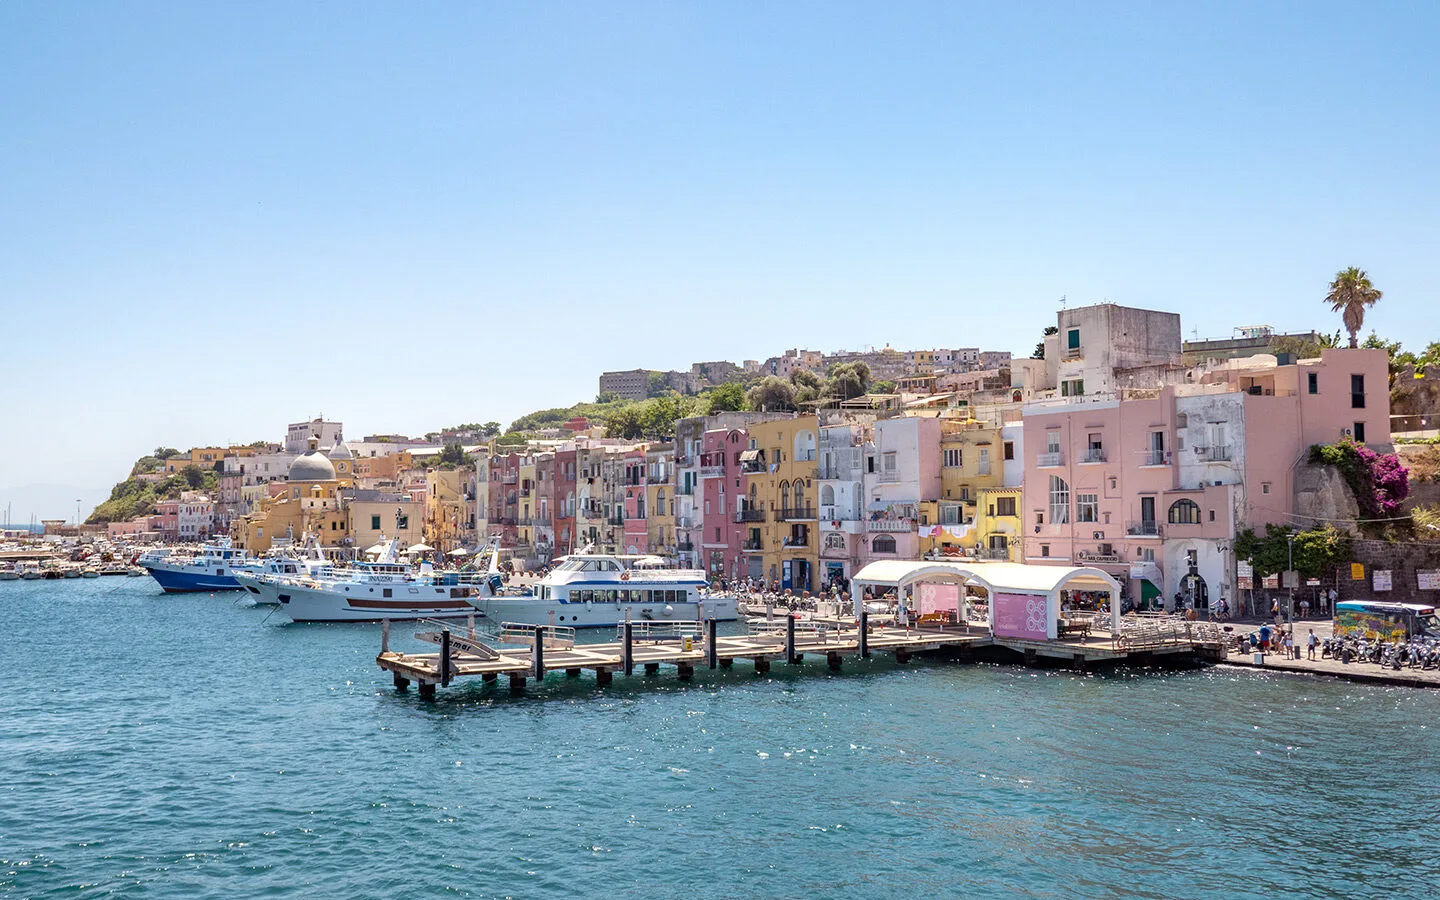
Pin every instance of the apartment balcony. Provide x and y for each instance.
(889, 477)
(1073, 353)
(1217, 453)
(684, 490)
(830, 472)
(1050, 460)
(682, 461)
(1092, 456)
(791, 514)
(892, 526)
(712, 471)
(753, 546)
(1143, 529)
(791, 541)
(750, 515)
(617, 521)
(1155, 458)
(510, 479)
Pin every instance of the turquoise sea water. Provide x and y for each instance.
(175, 746)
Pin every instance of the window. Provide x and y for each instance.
(1044, 549)
(1075, 387)
(1052, 442)
(1357, 392)
(1265, 487)
(1087, 507)
(889, 461)
(1184, 512)
(1009, 449)
(1004, 506)
(1072, 339)
(1313, 382)
(833, 541)
(954, 459)
(374, 523)
(1059, 500)
(883, 544)
(1359, 430)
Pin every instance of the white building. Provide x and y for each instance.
(298, 435)
(195, 516)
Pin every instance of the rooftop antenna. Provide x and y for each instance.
(1062, 301)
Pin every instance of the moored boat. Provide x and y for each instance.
(210, 568)
(590, 590)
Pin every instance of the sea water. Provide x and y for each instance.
(181, 746)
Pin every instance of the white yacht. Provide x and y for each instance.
(590, 590)
(370, 591)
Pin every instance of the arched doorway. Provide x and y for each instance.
(1196, 591)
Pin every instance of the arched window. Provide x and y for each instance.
(1184, 512)
(827, 495)
(799, 503)
(660, 502)
(784, 495)
(834, 541)
(883, 544)
(1059, 501)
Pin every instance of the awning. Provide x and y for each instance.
(751, 455)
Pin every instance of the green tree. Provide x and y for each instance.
(163, 453)
(728, 397)
(1039, 352)
(625, 422)
(848, 381)
(194, 476)
(604, 397)
(883, 387)
(1351, 293)
(490, 429)
(1317, 551)
(453, 456)
(656, 384)
(772, 394)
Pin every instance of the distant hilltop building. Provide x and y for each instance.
(298, 434)
(1246, 341)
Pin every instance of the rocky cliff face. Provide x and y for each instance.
(1322, 495)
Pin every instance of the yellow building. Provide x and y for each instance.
(529, 504)
(660, 500)
(308, 502)
(780, 479)
(997, 524)
(380, 515)
(447, 513)
(970, 462)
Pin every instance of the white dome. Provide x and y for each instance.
(312, 466)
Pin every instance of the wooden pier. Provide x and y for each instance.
(523, 652)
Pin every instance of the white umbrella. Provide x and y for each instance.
(378, 548)
(459, 551)
(419, 548)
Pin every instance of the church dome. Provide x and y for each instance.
(312, 466)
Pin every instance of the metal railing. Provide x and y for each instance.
(1155, 458)
(1093, 455)
(890, 525)
(788, 513)
(750, 515)
(1144, 528)
(1050, 460)
(1217, 453)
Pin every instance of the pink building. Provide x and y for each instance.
(167, 519)
(1152, 485)
(721, 497)
(633, 483)
(902, 470)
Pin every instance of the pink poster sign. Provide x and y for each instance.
(1021, 616)
(939, 598)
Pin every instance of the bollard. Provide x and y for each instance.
(790, 638)
(539, 652)
(864, 633)
(629, 654)
(445, 658)
(712, 653)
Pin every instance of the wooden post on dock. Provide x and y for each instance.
(628, 654)
(401, 682)
(712, 652)
(445, 666)
(540, 652)
(864, 632)
(790, 638)
(384, 635)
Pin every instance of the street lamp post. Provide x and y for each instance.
(1290, 539)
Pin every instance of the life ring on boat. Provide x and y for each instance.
(624, 576)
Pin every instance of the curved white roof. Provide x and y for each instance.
(1000, 576)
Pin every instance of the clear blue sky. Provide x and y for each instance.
(218, 218)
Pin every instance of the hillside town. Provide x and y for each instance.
(1117, 445)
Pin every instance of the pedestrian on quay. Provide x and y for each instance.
(1305, 608)
(1289, 642)
(1332, 597)
(1313, 641)
(1264, 638)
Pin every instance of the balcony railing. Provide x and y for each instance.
(712, 471)
(827, 471)
(1073, 353)
(1155, 458)
(1050, 460)
(890, 525)
(793, 541)
(889, 477)
(1093, 455)
(1217, 453)
(750, 515)
(790, 513)
(1144, 528)
(752, 546)
(752, 468)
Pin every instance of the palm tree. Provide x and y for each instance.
(1351, 293)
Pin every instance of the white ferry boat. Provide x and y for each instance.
(589, 590)
(370, 591)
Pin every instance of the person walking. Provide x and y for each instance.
(1305, 608)
(1313, 641)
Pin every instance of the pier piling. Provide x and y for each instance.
(790, 639)
(628, 654)
(446, 664)
(712, 651)
(540, 652)
(401, 683)
(427, 690)
(864, 636)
